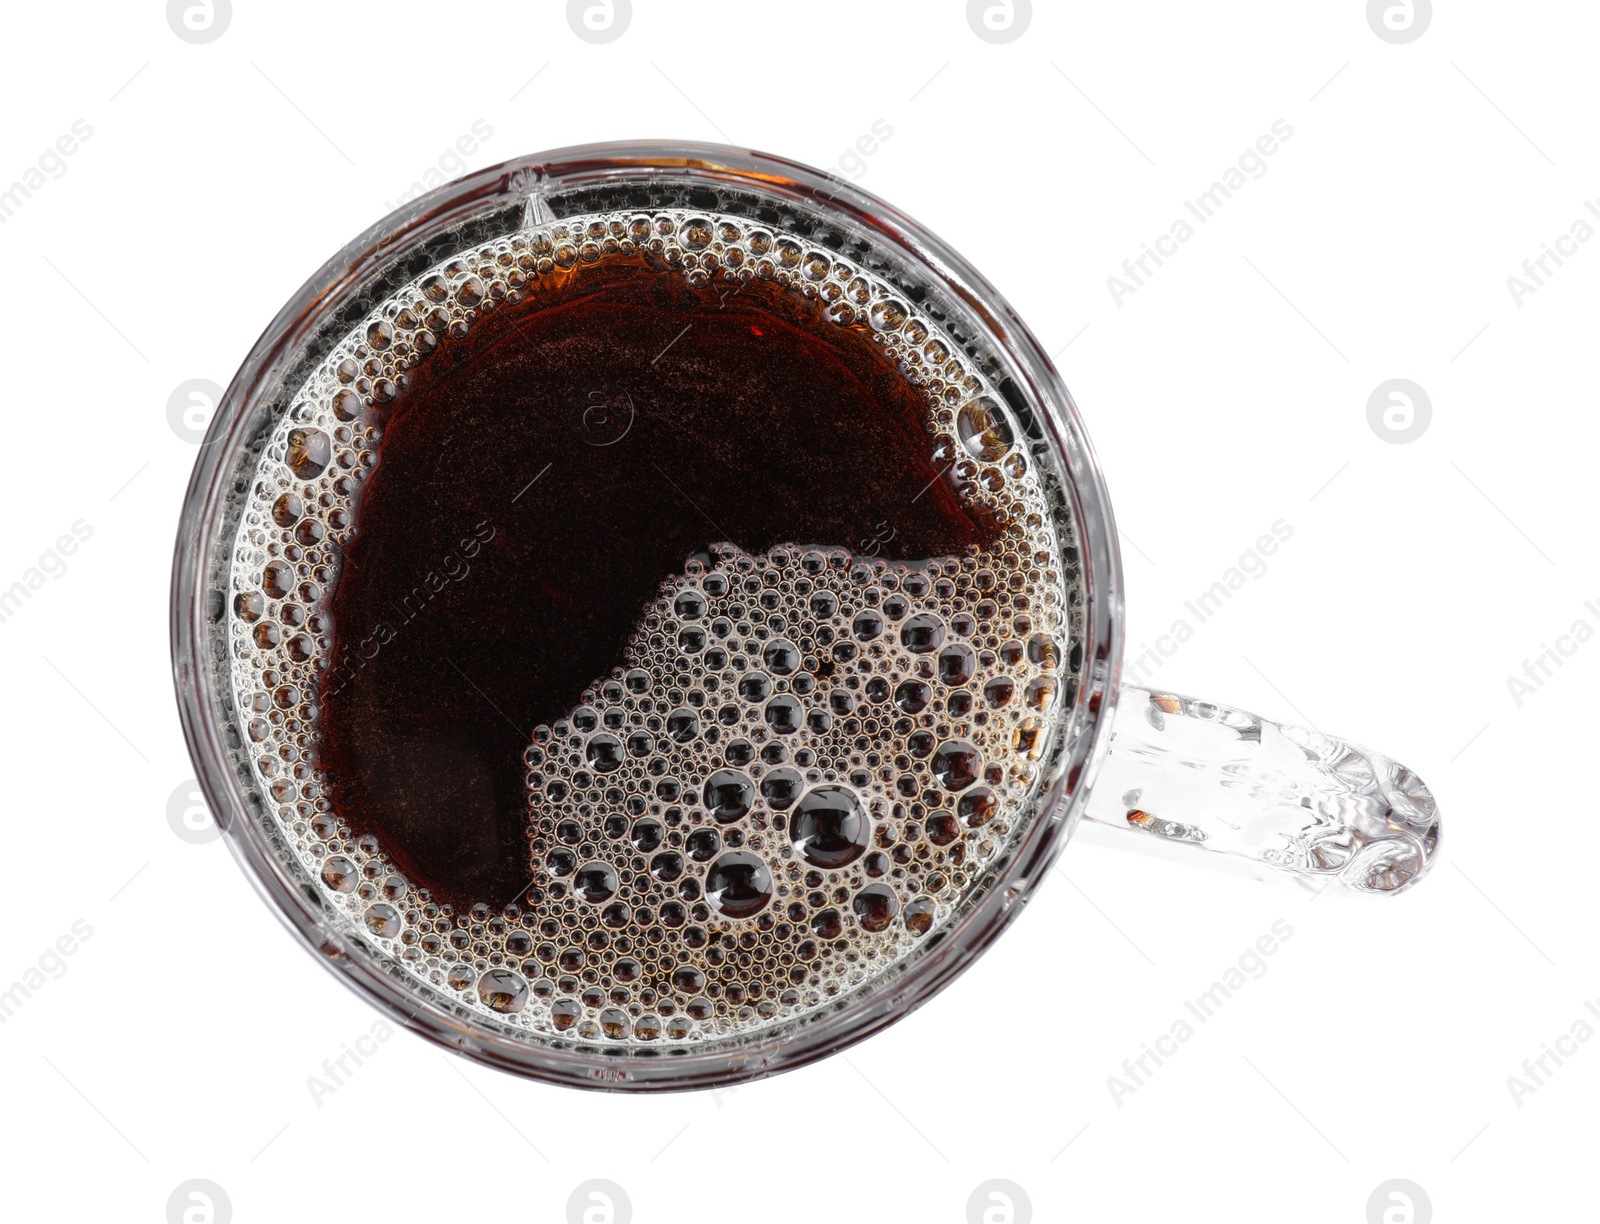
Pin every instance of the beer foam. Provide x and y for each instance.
(805, 763)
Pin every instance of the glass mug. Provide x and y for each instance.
(1149, 770)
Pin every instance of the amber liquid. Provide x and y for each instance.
(536, 482)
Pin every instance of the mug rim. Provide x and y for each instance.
(1084, 730)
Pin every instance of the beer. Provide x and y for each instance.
(650, 625)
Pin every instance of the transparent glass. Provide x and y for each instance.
(1190, 778)
(1161, 773)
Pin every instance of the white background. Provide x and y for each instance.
(1228, 392)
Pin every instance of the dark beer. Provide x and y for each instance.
(657, 625)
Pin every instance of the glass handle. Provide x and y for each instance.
(1205, 783)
